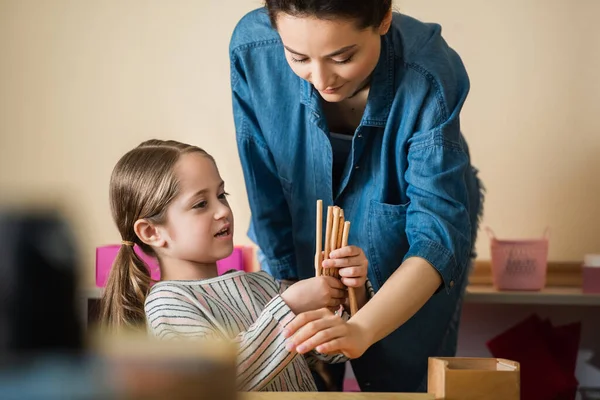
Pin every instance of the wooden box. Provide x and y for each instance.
(455, 378)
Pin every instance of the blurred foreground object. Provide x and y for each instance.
(38, 278)
(141, 367)
(40, 334)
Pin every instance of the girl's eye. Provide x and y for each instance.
(223, 195)
(201, 204)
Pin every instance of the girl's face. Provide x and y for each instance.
(334, 55)
(199, 222)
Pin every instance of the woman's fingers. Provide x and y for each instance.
(303, 319)
(353, 282)
(310, 327)
(344, 262)
(345, 252)
(332, 347)
(320, 338)
(352, 272)
(315, 333)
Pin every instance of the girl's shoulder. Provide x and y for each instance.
(260, 277)
(262, 282)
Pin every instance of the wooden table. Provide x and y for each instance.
(334, 396)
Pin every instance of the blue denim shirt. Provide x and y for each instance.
(408, 186)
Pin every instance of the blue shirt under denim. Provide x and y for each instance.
(407, 186)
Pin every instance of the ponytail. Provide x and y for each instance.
(122, 305)
(142, 186)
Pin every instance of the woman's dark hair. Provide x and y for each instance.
(367, 13)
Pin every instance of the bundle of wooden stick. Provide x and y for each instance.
(336, 236)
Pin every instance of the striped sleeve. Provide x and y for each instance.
(370, 290)
(171, 313)
(312, 357)
(262, 352)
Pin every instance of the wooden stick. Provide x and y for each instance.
(335, 225)
(340, 231)
(351, 291)
(345, 233)
(319, 239)
(328, 232)
(335, 228)
(335, 272)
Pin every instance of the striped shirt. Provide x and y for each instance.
(246, 308)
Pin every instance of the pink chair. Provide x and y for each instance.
(241, 259)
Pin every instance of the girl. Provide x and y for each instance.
(169, 199)
(349, 102)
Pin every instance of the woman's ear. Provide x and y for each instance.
(386, 23)
(149, 233)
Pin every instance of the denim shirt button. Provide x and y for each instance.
(359, 135)
(451, 283)
(356, 167)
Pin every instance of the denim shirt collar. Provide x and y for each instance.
(381, 94)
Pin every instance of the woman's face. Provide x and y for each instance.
(334, 55)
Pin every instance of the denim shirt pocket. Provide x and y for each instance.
(386, 230)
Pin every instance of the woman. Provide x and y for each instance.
(348, 102)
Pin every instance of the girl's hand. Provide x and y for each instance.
(315, 293)
(352, 264)
(326, 333)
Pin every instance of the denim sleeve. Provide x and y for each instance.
(438, 222)
(270, 217)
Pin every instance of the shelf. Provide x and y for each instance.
(486, 294)
(569, 296)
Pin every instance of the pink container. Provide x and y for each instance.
(519, 264)
(105, 256)
(591, 274)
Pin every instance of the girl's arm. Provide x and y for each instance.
(172, 313)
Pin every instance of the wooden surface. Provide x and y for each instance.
(550, 295)
(334, 396)
(560, 274)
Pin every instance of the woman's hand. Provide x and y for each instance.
(326, 333)
(352, 263)
(315, 293)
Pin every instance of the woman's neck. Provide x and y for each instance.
(182, 270)
(345, 116)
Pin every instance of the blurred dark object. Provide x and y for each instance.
(547, 355)
(41, 344)
(38, 280)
